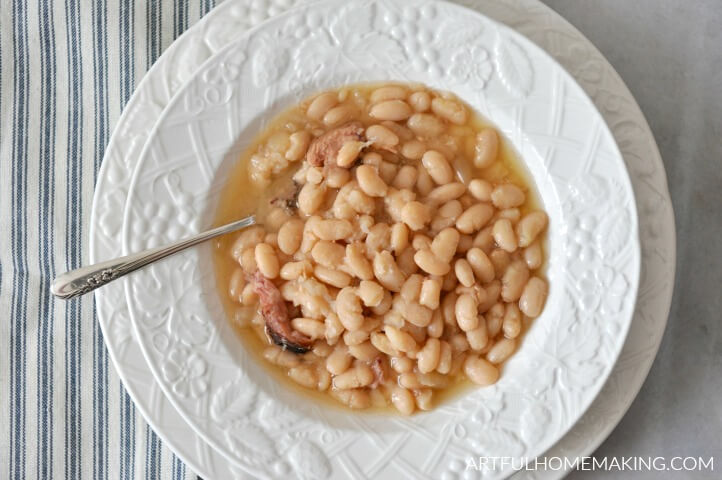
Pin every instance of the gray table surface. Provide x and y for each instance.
(669, 53)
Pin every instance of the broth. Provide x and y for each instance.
(250, 192)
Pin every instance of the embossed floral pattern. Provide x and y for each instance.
(580, 238)
(350, 40)
(309, 461)
(471, 64)
(225, 72)
(232, 402)
(269, 63)
(185, 371)
(602, 289)
(161, 223)
(513, 66)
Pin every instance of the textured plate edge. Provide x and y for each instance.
(618, 345)
(657, 158)
(618, 153)
(92, 246)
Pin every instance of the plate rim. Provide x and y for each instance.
(663, 296)
(634, 279)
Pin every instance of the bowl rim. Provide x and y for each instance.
(527, 44)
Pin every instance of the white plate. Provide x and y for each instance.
(564, 359)
(122, 347)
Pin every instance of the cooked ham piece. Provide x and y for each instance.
(324, 149)
(275, 313)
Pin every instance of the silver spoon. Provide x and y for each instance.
(86, 279)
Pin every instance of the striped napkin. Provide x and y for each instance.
(67, 68)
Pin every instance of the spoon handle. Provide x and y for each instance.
(86, 279)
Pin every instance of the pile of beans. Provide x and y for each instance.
(406, 259)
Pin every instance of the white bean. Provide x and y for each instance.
(400, 340)
(512, 320)
(405, 177)
(530, 226)
(348, 308)
(429, 263)
(416, 215)
(420, 101)
(449, 110)
(339, 361)
(466, 313)
(332, 276)
(533, 297)
(445, 244)
(430, 292)
(504, 236)
(266, 260)
(514, 280)
(403, 400)
(501, 350)
(474, 218)
(425, 125)
(463, 272)
(332, 229)
(370, 182)
(446, 193)
(381, 137)
(371, 293)
(357, 261)
(348, 153)
(428, 357)
(299, 145)
(339, 114)
(533, 256)
(328, 254)
(480, 189)
(310, 327)
(395, 110)
(321, 104)
(290, 235)
(399, 237)
(507, 195)
(311, 197)
(364, 351)
(486, 148)
(358, 376)
(389, 92)
(480, 371)
(387, 272)
(438, 167)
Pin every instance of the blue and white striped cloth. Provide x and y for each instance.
(67, 68)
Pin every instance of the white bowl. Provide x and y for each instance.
(593, 267)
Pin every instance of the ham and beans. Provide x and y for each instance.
(400, 250)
